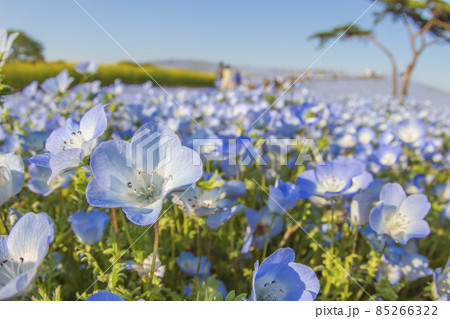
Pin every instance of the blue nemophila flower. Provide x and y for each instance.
(89, 226)
(58, 84)
(144, 269)
(389, 271)
(362, 202)
(279, 278)
(6, 42)
(234, 189)
(139, 185)
(417, 185)
(441, 283)
(359, 182)
(103, 295)
(392, 252)
(34, 142)
(415, 266)
(410, 132)
(21, 253)
(283, 196)
(399, 216)
(212, 204)
(446, 211)
(442, 191)
(332, 178)
(223, 215)
(72, 142)
(11, 176)
(366, 135)
(188, 264)
(39, 176)
(89, 67)
(387, 136)
(200, 202)
(259, 224)
(387, 155)
(402, 261)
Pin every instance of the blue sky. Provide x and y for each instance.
(255, 32)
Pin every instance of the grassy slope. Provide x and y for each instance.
(19, 75)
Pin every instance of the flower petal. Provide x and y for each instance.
(93, 123)
(416, 207)
(418, 229)
(185, 167)
(143, 216)
(392, 194)
(64, 161)
(29, 239)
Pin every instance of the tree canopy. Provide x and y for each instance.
(430, 16)
(348, 30)
(26, 49)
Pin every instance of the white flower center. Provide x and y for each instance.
(398, 224)
(409, 134)
(332, 184)
(388, 159)
(365, 138)
(10, 268)
(148, 187)
(270, 291)
(76, 141)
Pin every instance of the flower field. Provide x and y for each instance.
(134, 192)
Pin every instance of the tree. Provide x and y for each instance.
(26, 49)
(350, 31)
(427, 23)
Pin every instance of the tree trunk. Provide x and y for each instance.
(394, 79)
(393, 64)
(407, 75)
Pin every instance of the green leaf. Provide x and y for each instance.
(212, 182)
(6, 89)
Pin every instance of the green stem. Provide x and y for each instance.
(116, 230)
(332, 225)
(355, 240)
(185, 224)
(63, 203)
(173, 262)
(63, 237)
(199, 249)
(267, 240)
(384, 247)
(208, 254)
(127, 232)
(263, 181)
(5, 226)
(155, 253)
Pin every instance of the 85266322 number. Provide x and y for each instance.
(406, 310)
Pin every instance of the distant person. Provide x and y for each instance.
(289, 82)
(278, 82)
(219, 74)
(226, 83)
(237, 78)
